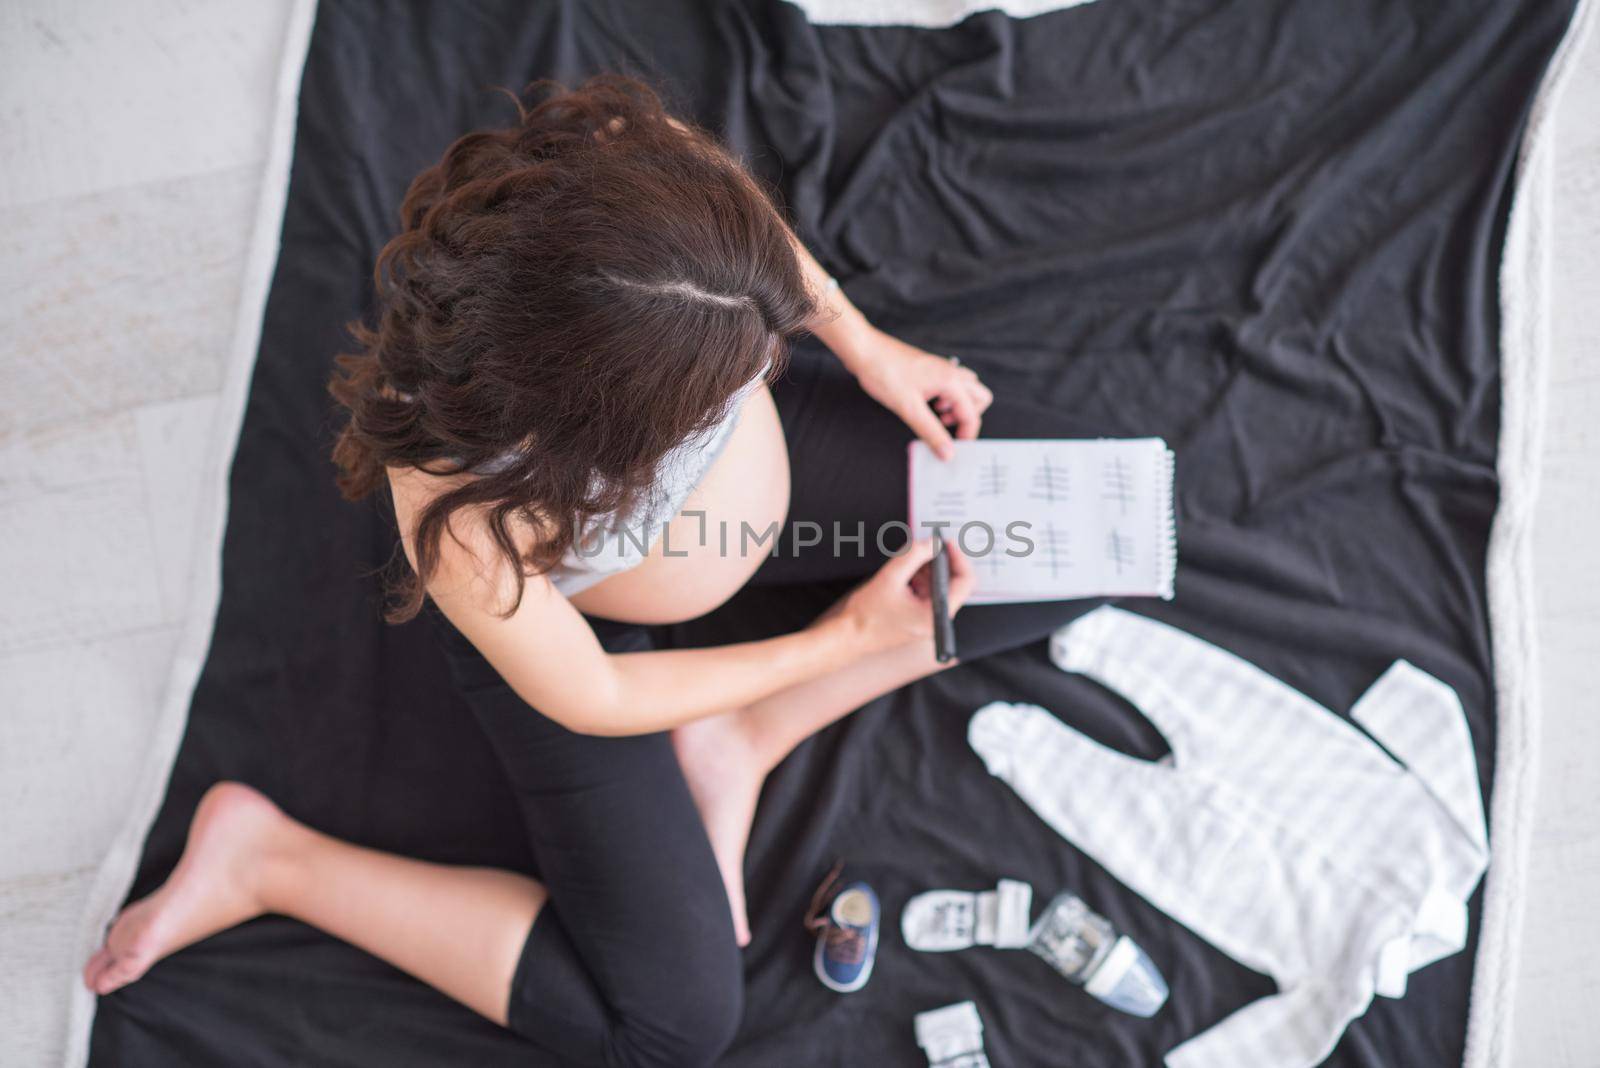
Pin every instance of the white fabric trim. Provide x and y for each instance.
(929, 14)
(115, 875)
(1524, 356)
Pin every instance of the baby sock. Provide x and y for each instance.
(940, 920)
(952, 1037)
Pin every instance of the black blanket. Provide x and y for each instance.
(1268, 232)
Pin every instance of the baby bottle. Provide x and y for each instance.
(1083, 946)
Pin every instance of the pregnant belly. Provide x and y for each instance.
(718, 539)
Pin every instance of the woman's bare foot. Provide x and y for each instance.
(215, 886)
(724, 774)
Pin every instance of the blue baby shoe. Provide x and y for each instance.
(847, 935)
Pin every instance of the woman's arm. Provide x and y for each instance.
(901, 377)
(838, 324)
(548, 654)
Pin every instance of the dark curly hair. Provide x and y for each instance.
(588, 287)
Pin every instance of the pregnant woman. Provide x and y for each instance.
(565, 395)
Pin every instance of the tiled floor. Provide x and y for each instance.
(135, 132)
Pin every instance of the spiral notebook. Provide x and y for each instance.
(1046, 519)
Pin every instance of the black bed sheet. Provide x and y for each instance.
(1268, 232)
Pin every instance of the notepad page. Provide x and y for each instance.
(1051, 519)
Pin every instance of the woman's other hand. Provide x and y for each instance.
(905, 380)
(893, 607)
(901, 377)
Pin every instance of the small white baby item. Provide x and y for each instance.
(952, 1037)
(1073, 939)
(1278, 832)
(938, 921)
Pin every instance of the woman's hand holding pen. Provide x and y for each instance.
(894, 607)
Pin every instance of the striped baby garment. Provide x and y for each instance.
(1277, 831)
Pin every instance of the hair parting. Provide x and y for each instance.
(586, 288)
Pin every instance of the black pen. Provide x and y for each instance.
(944, 631)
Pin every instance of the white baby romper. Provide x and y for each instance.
(1277, 831)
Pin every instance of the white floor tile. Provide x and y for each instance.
(120, 298)
(73, 739)
(77, 551)
(37, 912)
(173, 442)
(106, 93)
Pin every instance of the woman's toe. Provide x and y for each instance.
(106, 981)
(120, 972)
(97, 963)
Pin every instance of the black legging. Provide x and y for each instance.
(632, 961)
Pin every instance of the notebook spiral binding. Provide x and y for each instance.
(1166, 517)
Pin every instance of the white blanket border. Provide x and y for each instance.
(1524, 370)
